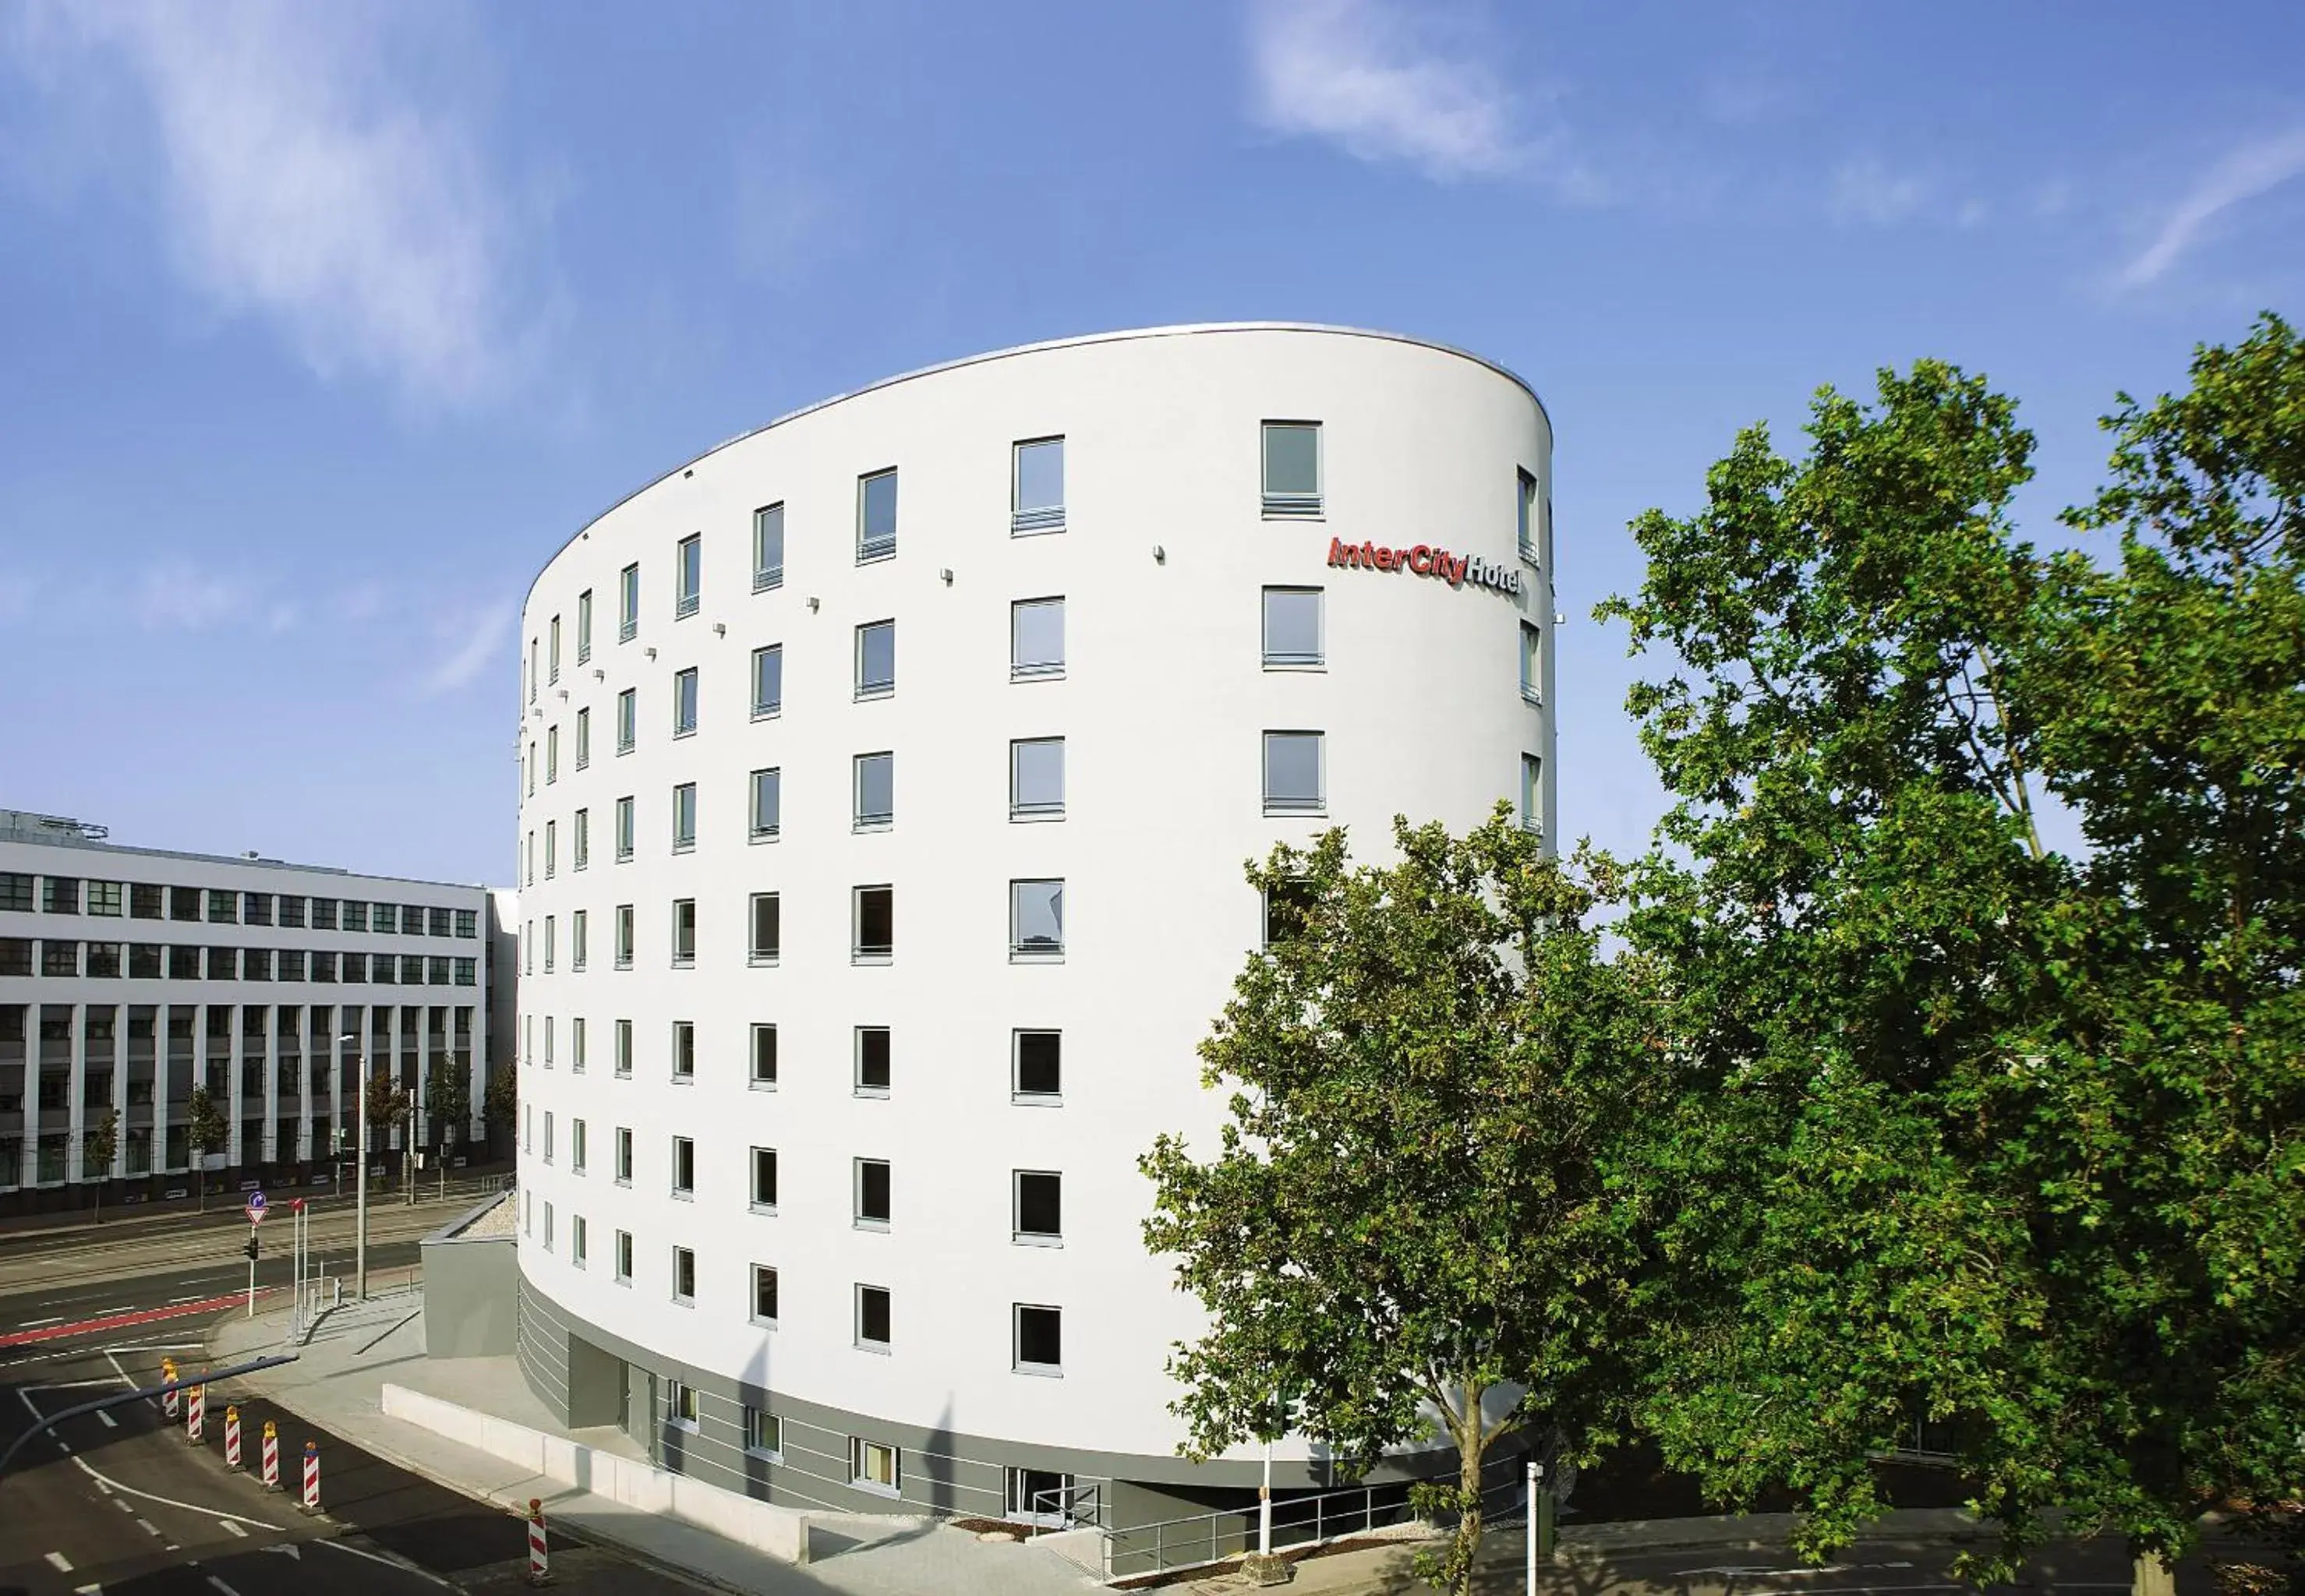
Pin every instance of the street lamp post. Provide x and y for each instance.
(359, 1174)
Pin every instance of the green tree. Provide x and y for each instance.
(99, 1140)
(500, 1108)
(204, 1133)
(389, 1106)
(448, 1092)
(1407, 1226)
(1984, 1134)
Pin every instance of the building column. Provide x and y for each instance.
(75, 1089)
(272, 1154)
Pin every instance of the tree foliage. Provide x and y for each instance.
(204, 1133)
(448, 1094)
(1984, 1131)
(1408, 1226)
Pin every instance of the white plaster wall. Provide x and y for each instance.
(1163, 705)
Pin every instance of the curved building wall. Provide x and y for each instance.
(1165, 544)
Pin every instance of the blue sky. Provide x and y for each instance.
(322, 326)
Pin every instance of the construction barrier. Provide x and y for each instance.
(313, 1476)
(196, 1409)
(540, 1560)
(168, 1397)
(271, 1457)
(231, 1437)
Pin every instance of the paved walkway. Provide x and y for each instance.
(336, 1384)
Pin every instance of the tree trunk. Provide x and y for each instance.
(2150, 1574)
(1469, 1491)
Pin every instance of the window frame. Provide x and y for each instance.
(1017, 1361)
(628, 602)
(1294, 659)
(687, 576)
(1035, 670)
(1532, 793)
(684, 1260)
(765, 574)
(871, 549)
(1018, 1235)
(628, 720)
(858, 1086)
(1017, 1092)
(756, 1080)
(1529, 529)
(768, 708)
(684, 921)
(859, 820)
(1532, 663)
(683, 1062)
(1025, 522)
(757, 1203)
(755, 955)
(622, 1269)
(775, 784)
(1292, 504)
(860, 1450)
(683, 1154)
(758, 1424)
(1019, 952)
(887, 1345)
(686, 701)
(859, 952)
(866, 692)
(1019, 808)
(684, 813)
(858, 1219)
(765, 1321)
(1318, 805)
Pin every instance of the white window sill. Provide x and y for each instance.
(681, 964)
(1017, 529)
(1042, 1370)
(878, 1349)
(1037, 1099)
(680, 1079)
(625, 748)
(1027, 956)
(623, 963)
(585, 763)
(763, 961)
(575, 1263)
(763, 1085)
(879, 1225)
(759, 1323)
(768, 711)
(623, 1279)
(873, 554)
(861, 826)
(870, 1091)
(1027, 816)
(1027, 1238)
(1285, 811)
(687, 613)
(861, 957)
(1312, 667)
(865, 695)
(679, 733)
(767, 1210)
(687, 848)
(773, 833)
(625, 1180)
(768, 580)
(1036, 673)
(755, 1453)
(1294, 510)
(678, 1195)
(1529, 695)
(679, 1301)
(873, 1487)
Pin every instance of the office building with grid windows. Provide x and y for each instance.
(887, 775)
(130, 976)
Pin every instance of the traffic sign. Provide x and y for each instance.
(256, 1208)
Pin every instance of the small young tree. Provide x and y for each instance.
(500, 1108)
(99, 1140)
(449, 1091)
(388, 1109)
(1408, 1226)
(204, 1133)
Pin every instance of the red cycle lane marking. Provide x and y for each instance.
(121, 1322)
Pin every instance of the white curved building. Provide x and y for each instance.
(889, 773)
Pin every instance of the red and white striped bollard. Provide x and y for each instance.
(312, 1477)
(271, 1457)
(540, 1560)
(231, 1437)
(168, 1397)
(196, 1410)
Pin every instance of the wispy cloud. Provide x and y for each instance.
(1868, 189)
(1363, 75)
(470, 642)
(2241, 176)
(298, 182)
(182, 595)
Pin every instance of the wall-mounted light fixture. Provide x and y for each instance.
(649, 652)
(947, 574)
(1159, 554)
(720, 629)
(812, 606)
(598, 674)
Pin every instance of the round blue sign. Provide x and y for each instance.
(256, 1201)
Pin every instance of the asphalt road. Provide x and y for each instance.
(121, 1502)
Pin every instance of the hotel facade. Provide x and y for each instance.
(888, 774)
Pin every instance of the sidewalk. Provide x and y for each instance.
(337, 1382)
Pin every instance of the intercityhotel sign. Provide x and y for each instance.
(1423, 559)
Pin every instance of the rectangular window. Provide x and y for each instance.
(529, 851)
(876, 659)
(532, 670)
(1292, 470)
(872, 1466)
(1036, 919)
(764, 1181)
(873, 1061)
(684, 817)
(871, 1195)
(584, 625)
(576, 1046)
(624, 1155)
(1040, 1064)
(872, 1318)
(627, 719)
(1036, 492)
(688, 569)
(767, 548)
(1292, 628)
(683, 1166)
(1040, 1216)
(16, 894)
(1039, 1340)
(548, 1225)
(1526, 504)
(1532, 664)
(876, 516)
(1036, 639)
(683, 1049)
(576, 1148)
(1293, 774)
(104, 963)
(551, 928)
(63, 958)
(1036, 779)
(768, 680)
(629, 604)
(765, 1055)
(224, 908)
(104, 898)
(528, 765)
(583, 739)
(223, 963)
(547, 1131)
(439, 919)
(356, 916)
(292, 913)
(551, 754)
(767, 805)
(576, 1240)
(874, 926)
(768, 928)
(623, 1258)
(876, 791)
(764, 1432)
(1532, 792)
(684, 702)
(184, 902)
(624, 936)
(580, 839)
(16, 955)
(552, 651)
(683, 933)
(624, 829)
(551, 848)
(764, 1303)
(144, 963)
(682, 1404)
(145, 901)
(579, 938)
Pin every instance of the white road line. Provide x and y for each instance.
(145, 1524)
(107, 1312)
(40, 1324)
(109, 1422)
(220, 1585)
(64, 1446)
(233, 1528)
(402, 1563)
(195, 1297)
(126, 1507)
(88, 1591)
(59, 1562)
(107, 1481)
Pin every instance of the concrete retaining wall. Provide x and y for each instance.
(778, 1533)
(470, 1282)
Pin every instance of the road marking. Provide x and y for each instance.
(233, 1528)
(126, 1507)
(175, 1301)
(403, 1565)
(145, 1524)
(64, 1446)
(59, 1562)
(120, 1321)
(88, 1591)
(116, 1308)
(34, 1324)
(105, 1479)
(109, 1422)
(220, 1585)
